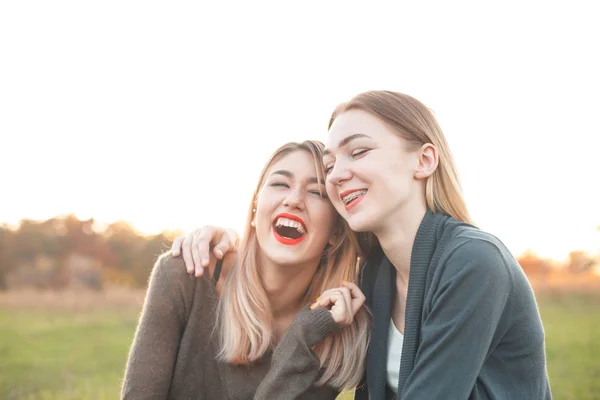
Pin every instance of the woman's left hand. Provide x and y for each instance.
(343, 302)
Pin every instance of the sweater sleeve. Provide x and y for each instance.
(459, 329)
(294, 365)
(154, 350)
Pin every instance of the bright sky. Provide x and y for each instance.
(163, 113)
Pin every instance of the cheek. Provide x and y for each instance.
(336, 202)
(261, 221)
(331, 192)
(325, 215)
(263, 213)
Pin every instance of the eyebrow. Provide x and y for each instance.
(347, 140)
(290, 175)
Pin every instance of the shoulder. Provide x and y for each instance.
(170, 267)
(472, 240)
(473, 251)
(170, 271)
(175, 290)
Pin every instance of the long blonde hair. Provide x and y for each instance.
(244, 316)
(415, 123)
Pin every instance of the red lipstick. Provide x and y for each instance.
(286, 240)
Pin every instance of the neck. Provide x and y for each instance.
(397, 237)
(286, 286)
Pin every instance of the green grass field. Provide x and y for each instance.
(68, 353)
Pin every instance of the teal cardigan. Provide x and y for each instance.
(473, 329)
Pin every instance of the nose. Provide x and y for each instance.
(339, 174)
(295, 199)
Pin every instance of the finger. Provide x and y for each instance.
(223, 246)
(201, 243)
(329, 291)
(358, 297)
(347, 301)
(176, 246)
(233, 238)
(333, 298)
(320, 301)
(332, 290)
(339, 302)
(198, 267)
(336, 304)
(343, 306)
(187, 255)
(326, 300)
(195, 256)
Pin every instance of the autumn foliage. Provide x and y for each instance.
(67, 252)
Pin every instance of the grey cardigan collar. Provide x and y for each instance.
(425, 252)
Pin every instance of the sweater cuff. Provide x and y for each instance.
(314, 325)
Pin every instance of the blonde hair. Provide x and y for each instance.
(415, 123)
(244, 317)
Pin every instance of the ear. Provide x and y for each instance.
(428, 161)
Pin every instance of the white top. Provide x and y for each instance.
(395, 341)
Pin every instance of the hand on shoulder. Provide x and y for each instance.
(202, 247)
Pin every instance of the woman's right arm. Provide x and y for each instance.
(154, 350)
(295, 367)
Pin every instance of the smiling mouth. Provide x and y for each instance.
(350, 199)
(288, 231)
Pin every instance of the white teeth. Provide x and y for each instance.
(281, 221)
(347, 199)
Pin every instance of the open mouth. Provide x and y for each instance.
(289, 229)
(351, 198)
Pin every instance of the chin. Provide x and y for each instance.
(360, 224)
(286, 257)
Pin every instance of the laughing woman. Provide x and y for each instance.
(253, 335)
(454, 316)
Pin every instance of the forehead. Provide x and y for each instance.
(354, 122)
(299, 163)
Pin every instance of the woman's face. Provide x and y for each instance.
(293, 220)
(370, 171)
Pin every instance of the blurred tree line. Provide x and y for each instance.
(65, 251)
(62, 251)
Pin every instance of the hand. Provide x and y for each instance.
(343, 302)
(195, 247)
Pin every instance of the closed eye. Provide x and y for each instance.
(320, 194)
(359, 152)
(328, 169)
(274, 184)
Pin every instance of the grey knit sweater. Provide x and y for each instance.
(174, 349)
(472, 330)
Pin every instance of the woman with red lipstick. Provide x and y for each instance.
(253, 335)
(454, 315)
